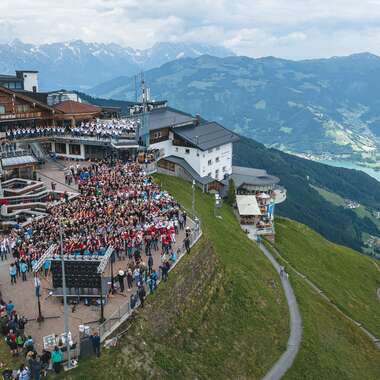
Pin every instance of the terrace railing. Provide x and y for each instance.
(124, 312)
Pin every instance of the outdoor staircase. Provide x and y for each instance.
(43, 156)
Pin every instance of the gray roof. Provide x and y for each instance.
(167, 117)
(39, 96)
(7, 77)
(186, 166)
(14, 161)
(250, 176)
(206, 136)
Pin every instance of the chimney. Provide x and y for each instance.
(197, 119)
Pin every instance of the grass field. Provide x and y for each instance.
(337, 200)
(222, 313)
(332, 347)
(348, 278)
(6, 358)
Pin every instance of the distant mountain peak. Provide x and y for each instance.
(364, 55)
(79, 65)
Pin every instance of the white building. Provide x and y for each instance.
(201, 152)
(205, 147)
(24, 80)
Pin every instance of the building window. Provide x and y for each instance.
(2, 109)
(74, 149)
(217, 159)
(197, 154)
(166, 165)
(210, 150)
(216, 173)
(60, 148)
(209, 163)
(187, 151)
(204, 155)
(22, 108)
(176, 149)
(157, 135)
(209, 174)
(224, 169)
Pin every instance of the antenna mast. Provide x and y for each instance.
(144, 133)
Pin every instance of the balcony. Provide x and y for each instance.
(279, 194)
(21, 115)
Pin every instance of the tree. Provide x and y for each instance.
(231, 196)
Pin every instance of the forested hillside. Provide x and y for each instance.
(304, 203)
(317, 105)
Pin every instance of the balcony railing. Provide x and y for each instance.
(21, 115)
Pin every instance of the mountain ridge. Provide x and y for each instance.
(308, 106)
(77, 64)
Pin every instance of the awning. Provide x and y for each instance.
(247, 205)
(18, 161)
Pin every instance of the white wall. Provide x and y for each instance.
(30, 80)
(191, 155)
(165, 147)
(221, 157)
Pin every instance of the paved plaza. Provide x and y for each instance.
(23, 293)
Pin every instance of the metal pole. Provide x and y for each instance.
(40, 317)
(65, 312)
(193, 201)
(102, 319)
(112, 281)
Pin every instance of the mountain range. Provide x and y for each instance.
(80, 65)
(310, 106)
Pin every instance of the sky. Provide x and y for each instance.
(293, 29)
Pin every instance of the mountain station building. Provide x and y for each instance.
(36, 126)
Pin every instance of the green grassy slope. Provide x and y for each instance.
(337, 200)
(221, 315)
(349, 279)
(332, 347)
(6, 358)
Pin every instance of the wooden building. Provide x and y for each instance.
(19, 110)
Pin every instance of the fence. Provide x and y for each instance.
(149, 168)
(124, 311)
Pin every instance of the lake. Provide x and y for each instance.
(352, 165)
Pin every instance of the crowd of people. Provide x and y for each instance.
(32, 132)
(118, 206)
(115, 128)
(34, 365)
(13, 329)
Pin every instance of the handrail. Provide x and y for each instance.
(125, 311)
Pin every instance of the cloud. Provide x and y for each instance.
(288, 28)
